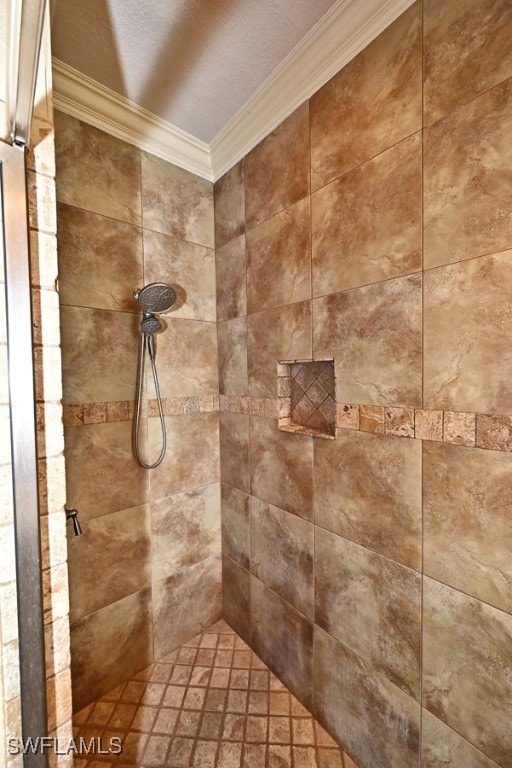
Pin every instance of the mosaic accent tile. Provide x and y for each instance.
(306, 392)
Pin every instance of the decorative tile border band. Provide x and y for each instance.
(122, 410)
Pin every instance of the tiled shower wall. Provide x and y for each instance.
(146, 574)
(373, 572)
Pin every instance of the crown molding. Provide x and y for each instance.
(341, 34)
(81, 97)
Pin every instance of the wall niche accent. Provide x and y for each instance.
(306, 390)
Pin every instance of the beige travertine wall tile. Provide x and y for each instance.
(176, 202)
(281, 468)
(372, 605)
(231, 279)
(188, 267)
(95, 171)
(428, 425)
(229, 197)
(100, 260)
(236, 525)
(374, 333)
(276, 334)
(371, 104)
(110, 560)
(279, 259)
(234, 450)
(368, 489)
(282, 554)
(467, 193)
(189, 617)
(440, 746)
(101, 474)
(283, 638)
(236, 597)
(466, 659)
(367, 225)
(192, 458)
(185, 529)
(351, 699)
(467, 361)
(99, 354)
(109, 646)
(277, 170)
(467, 50)
(232, 340)
(467, 501)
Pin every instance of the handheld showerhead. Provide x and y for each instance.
(155, 297)
(150, 325)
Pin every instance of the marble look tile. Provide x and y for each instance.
(232, 341)
(466, 664)
(368, 490)
(96, 171)
(277, 334)
(372, 605)
(351, 698)
(188, 267)
(185, 604)
(100, 260)
(282, 554)
(374, 333)
(186, 359)
(176, 202)
(467, 361)
(441, 747)
(231, 279)
(234, 450)
(229, 197)
(281, 466)
(283, 638)
(236, 525)
(192, 458)
(279, 259)
(185, 529)
(373, 103)
(467, 501)
(467, 192)
(109, 561)
(109, 646)
(467, 49)
(99, 355)
(367, 225)
(277, 170)
(236, 597)
(102, 475)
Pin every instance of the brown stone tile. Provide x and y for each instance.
(440, 744)
(232, 340)
(275, 455)
(399, 422)
(180, 752)
(280, 634)
(374, 332)
(145, 717)
(185, 529)
(385, 191)
(372, 605)
(235, 525)
(483, 33)
(234, 450)
(464, 307)
(236, 598)
(230, 755)
(371, 418)
(428, 425)
(347, 690)
(361, 111)
(466, 189)
(170, 599)
(277, 170)
(231, 280)
(466, 643)
(368, 490)
(459, 428)
(254, 756)
(494, 432)
(282, 553)
(279, 259)
(96, 172)
(176, 202)
(109, 561)
(229, 205)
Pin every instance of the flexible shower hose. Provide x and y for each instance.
(147, 343)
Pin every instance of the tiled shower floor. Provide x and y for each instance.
(210, 704)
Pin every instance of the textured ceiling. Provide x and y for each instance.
(193, 63)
